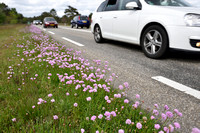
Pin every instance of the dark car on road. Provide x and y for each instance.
(50, 22)
(80, 21)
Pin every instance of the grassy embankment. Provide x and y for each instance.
(46, 87)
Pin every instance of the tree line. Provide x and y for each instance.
(11, 16)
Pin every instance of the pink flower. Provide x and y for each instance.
(155, 112)
(52, 100)
(55, 117)
(106, 98)
(67, 94)
(93, 118)
(156, 106)
(160, 132)
(50, 95)
(152, 117)
(169, 114)
(139, 125)
(14, 119)
(177, 125)
(100, 116)
(33, 106)
(171, 128)
(137, 96)
(82, 130)
(126, 84)
(157, 126)
(75, 104)
(113, 113)
(36, 75)
(49, 74)
(108, 101)
(164, 117)
(195, 130)
(166, 107)
(107, 114)
(88, 98)
(120, 131)
(121, 87)
(128, 121)
(126, 101)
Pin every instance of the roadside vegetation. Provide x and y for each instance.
(47, 87)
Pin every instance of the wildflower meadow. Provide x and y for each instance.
(48, 87)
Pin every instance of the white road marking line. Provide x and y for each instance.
(51, 32)
(75, 29)
(178, 86)
(76, 43)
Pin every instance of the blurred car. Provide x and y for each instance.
(80, 21)
(50, 22)
(155, 25)
(37, 22)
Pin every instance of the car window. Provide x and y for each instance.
(102, 6)
(122, 4)
(84, 18)
(182, 3)
(112, 5)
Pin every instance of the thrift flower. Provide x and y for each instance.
(137, 96)
(157, 126)
(177, 125)
(169, 114)
(82, 130)
(195, 130)
(14, 119)
(93, 118)
(52, 100)
(55, 117)
(126, 101)
(33, 106)
(88, 98)
(120, 131)
(50, 95)
(128, 121)
(100, 116)
(139, 125)
(67, 94)
(75, 104)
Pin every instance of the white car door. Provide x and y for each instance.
(125, 24)
(106, 18)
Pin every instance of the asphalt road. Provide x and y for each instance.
(131, 65)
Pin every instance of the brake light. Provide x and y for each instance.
(79, 18)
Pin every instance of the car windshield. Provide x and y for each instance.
(38, 20)
(50, 19)
(83, 18)
(181, 3)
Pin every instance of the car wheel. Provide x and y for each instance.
(72, 26)
(77, 26)
(56, 26)
(81, 27)
(154, 42)
(88, 27)
(97, 34)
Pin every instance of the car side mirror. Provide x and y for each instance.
(132, 6)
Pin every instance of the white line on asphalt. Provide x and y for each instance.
(76, 43)
(178, 86)
(74, 29)
(51, 32)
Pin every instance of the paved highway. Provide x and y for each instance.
(174, 80)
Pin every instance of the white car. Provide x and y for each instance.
(155, 25)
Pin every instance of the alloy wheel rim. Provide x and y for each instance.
(97, 34)
(153, 42)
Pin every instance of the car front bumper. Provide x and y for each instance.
(184, 37)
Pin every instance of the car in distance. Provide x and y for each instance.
(37, 22)
(50, 22)
(155, 25)
(80, 21)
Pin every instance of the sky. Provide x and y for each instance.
(31, 8)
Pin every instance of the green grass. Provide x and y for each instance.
(25, 78)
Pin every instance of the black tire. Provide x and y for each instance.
(154, 42)
(56, 26)
(88, 27)
(98, 35)
(72, 26)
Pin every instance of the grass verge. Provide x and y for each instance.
(46, 87)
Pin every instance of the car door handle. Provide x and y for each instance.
(101, 17)
(114, 17)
